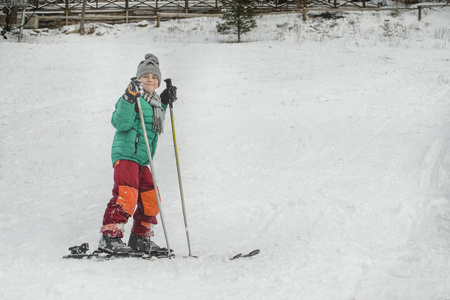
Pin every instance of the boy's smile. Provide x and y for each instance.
(150, 82)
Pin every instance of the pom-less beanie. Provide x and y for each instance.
(150, 65)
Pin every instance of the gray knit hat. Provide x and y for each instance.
(150, 65)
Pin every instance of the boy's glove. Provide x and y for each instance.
(169, 94)
(133, 90)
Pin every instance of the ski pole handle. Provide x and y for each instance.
(168, 82)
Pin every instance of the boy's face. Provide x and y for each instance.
(150, 82)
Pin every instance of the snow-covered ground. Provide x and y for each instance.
(324, 144)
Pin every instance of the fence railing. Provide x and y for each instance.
(55, 13)
(43, 6)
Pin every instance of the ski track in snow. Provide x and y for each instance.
(327, 151)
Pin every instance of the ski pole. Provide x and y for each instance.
(152, 170)
(186, 227)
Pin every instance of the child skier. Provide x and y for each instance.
(133, 183)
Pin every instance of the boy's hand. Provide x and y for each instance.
(133, 90)
(169, 94)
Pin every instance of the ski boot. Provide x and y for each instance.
(143, 244)
(113, 245)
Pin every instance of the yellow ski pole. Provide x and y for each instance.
(168, 86)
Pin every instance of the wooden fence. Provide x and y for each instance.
(55, 13)
(184, 5)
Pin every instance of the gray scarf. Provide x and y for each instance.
(158, 111)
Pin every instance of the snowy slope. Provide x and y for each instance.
(324, 144)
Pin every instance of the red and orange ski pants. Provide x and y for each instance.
(133, 186)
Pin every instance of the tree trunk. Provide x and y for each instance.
(239, 34)
(83, 12)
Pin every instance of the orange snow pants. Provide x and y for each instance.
(133, 195)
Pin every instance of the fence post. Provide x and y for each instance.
(67, 12)
(158, 19)
(304, 10)
(126, 11)
(420, 12)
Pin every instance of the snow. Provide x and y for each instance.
(322, 143)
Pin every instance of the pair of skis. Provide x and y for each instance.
(82, 252)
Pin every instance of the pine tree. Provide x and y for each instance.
(238, 16)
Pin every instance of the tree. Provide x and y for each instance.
(238, 16)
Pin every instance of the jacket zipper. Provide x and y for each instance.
(136, 143)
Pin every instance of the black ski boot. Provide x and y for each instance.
(113, 245)
(142, 244)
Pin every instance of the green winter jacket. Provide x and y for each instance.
(129, 142)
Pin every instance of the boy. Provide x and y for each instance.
(133, 183)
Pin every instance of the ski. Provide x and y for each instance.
(82, 252)
(250, 254)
